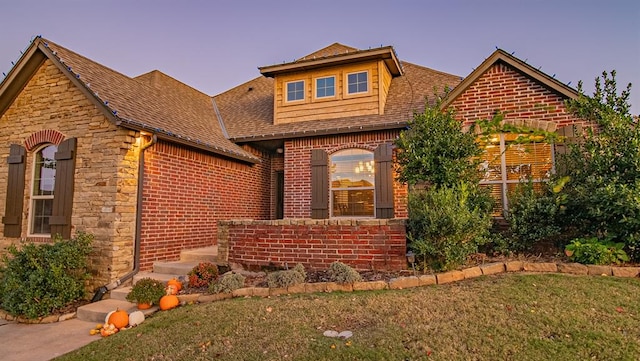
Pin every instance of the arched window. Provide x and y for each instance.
(42, 186)
(352, 183)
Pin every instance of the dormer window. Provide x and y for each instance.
(326, 87)
(295, 91)
(358, 82)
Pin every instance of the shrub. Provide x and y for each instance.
(593, 251)
(287, 278)
(203, 274)
(532, 216)
(40, 278)
(603, 196)
(227, 283)
(342, 273)
(448, 224)
(147, 290)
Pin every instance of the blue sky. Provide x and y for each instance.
(215, 45)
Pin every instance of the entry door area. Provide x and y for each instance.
(280, 195)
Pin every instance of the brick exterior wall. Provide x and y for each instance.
(187, 191)
(297, 168)
(48, 109)
(363, 244)
(519, 97)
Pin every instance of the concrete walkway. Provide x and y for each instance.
(41, 342)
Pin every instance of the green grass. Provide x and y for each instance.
(508, 317)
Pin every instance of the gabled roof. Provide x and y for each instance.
(501, 56)
(336, 54)
(153, 102)
(247, 110)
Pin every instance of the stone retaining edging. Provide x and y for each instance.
(398, 283)
(423, 280)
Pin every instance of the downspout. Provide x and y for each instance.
(136, 247)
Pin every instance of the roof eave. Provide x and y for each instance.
(385, 53)
(20, 75)
(321, 132)
(502, 56)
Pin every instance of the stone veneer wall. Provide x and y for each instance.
(104, 202)
(363, 244)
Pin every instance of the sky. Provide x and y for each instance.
(218, 44)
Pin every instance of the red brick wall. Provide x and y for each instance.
(362, 244)
(187, 191)
(514, 94)
(297, 168)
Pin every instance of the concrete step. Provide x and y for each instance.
(209, 254)
(97, 311)
(163, 277)
(176, 268)
(120, 293)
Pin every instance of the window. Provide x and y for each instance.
(44, 177)
(352, 183)
(357, 82)
(326, 87)
(507, 163)
(295, 90)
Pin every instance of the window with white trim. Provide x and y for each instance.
(326, 87)
(352, 189)
(358, 82)
(42, 185)
(295, 90)
(507, 162)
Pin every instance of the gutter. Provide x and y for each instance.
(100, 292)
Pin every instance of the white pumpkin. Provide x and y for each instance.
(106, 319)
(136, 318)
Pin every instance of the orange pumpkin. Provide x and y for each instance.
(119, 318)
(174, 282)
(168, 302)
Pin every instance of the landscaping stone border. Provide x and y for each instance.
(398, 283)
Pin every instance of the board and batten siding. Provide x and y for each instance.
(341, 105)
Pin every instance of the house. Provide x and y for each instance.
(294, 166)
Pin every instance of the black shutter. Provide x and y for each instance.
(60, 219)
(15, 192)
(383, 156)
(319, 184)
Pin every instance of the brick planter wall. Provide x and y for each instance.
(362, 244)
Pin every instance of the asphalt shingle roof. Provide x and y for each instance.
(247, 110)
(153, 101)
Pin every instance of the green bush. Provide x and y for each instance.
(594, 251)
(41, 278)
(603, 196)
(287, 278)
(203, 274)
(532, 216)
(447, 224)
(342, 273)
(147, 290)
(227, 283)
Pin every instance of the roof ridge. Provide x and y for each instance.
(166, 76)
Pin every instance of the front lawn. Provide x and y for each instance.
(506, 317)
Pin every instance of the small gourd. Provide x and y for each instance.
(174, 282)
(119, 318)
(168, 302)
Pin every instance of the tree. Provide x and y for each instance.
(603, 195)
(449, 214)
